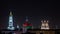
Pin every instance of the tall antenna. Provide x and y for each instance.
(10, 23)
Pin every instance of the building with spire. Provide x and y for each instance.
(10, 23)
(45, 24)
(27, 24)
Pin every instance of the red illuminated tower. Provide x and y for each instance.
(27, 24)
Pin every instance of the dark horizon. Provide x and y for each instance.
(35, 10)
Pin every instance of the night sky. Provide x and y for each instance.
(35, 10)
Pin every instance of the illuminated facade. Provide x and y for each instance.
(10, 23)
(44, 24)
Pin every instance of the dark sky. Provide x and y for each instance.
(35, 10)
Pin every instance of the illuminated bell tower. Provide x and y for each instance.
(44, 24)
(10, 23)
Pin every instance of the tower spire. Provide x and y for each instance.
(10, 13)
(10, 23)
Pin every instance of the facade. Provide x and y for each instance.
(45, 24)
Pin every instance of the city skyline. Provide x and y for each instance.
(27, 19)
(36, 11)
